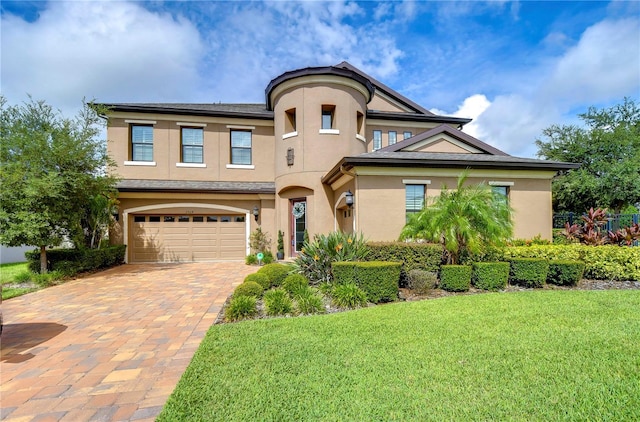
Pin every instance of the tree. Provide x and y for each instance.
(51, 168)
(608, 148)
(465, 220)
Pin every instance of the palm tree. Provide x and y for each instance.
(465, 220)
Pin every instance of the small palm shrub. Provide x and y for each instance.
(455, 278)
(565, 273)
(241, 307)
(249, 288)
(315, 258)
(277, 302)
(295, 282)
(259, 278)
(490, 275)
(348, 296)
(276, 273)
(308, 301)
(422, 281)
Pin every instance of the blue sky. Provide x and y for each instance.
(514, 67)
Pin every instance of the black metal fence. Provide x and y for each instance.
(614, 221)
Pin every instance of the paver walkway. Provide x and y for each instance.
(111, 346)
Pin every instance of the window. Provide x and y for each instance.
(359, 122)
(169, 219)
(241, 147)
(377, 139)
(198, 219)
(290, 120)
(212, 219)
(407, 135)
(183, 219)
(501, 191)
(154, 219)
(139, 219)
(141, 143)
(393, 137)
(327, 116)
(192, 145)
(414, 199)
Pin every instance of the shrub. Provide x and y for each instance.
(565, 273)
(455, 278)
(251, 259)
(241, 307)
(249, 288)
(23, 276)
(259, 278)
(295, 282)
(277, 302)
(348, 296)
(413, 255)
(315, 258)
(77, 260)
(379, 280)
(259, 241)
(308, 301)
(276, 273)
(422, 281)
(601, 262)
(490, 275)
(528, 272)
(48, 279)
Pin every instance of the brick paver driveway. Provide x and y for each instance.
(111, 346)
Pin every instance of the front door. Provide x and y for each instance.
(298, 218)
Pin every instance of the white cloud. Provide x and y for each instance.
(113, 51)
(471, 108)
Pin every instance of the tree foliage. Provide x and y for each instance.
(464, 220)
(52, 169)
(608, 148)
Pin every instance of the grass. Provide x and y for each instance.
(543, 355)
(8, 273)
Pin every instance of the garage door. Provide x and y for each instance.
(185, 238)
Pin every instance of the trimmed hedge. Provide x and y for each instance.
(490, 275)
(294, 283)
(455, 278)
(379, 280)
(72, 261)
(259, 278)
(276, 273)
(608, 262)
(528, 272)
(413, 256)
(248, 288)
(565, 273)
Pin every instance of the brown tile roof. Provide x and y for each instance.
(444, 129)
(142, 185)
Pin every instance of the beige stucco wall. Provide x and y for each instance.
(380, 102)
(442, 145)
(380, 199)
(216, 150)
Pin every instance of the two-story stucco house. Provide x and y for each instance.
(197, 179)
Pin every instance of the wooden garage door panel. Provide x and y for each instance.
(173, 239)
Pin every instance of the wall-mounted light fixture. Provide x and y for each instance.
(256, 212)
(348, 198)
(290, 156)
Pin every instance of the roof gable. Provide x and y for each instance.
(387, 94)
(454, 141)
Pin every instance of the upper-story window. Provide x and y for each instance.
(241, 147)
(501, 192)
(192, 140)
(328, 114)
(393, 137)
(377, 139)
(141, 142)
(407, 135)
(290, 120)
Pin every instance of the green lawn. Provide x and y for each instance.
(543, 355)
(7, 275)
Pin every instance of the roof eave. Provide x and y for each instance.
(408, 117)
(266, 115)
